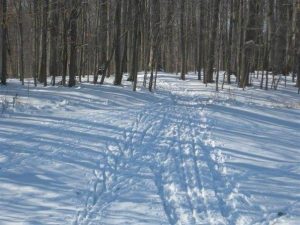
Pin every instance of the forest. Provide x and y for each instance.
(70, 39)
(150, 112)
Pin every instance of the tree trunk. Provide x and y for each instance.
(136, 44)
(4, 44)
(73, 39)
(65, 49)
(281, 40)
(212, 42)
(43, 66)
(36, 42)
(182, 39)
(298, 43)
(20, 23)
(96, 49)
(117, 43)
(154, 32)
(53, 40)
(249, 45)
(126, 21)
(229, 44)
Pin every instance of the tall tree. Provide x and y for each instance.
(249, 44)
(36, 23)
(212, 42)
(19, 9)
(281, 38)
(298, 43)
(4, 43)
(136, 44)
(54, 22)
(103, 33)
(43, 65)
(154, 33)
(65, 46)
(200, 39)
(182, 39)
(117, 44)
(73, 41)
(229, 41)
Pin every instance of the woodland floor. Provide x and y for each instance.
(182, 155)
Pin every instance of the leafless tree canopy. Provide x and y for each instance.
(71, 38)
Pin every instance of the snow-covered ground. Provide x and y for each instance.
(182, 155)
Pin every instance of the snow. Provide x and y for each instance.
(182, 155)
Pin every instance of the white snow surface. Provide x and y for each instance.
(182, 155)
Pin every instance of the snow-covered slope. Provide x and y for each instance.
(183, 155)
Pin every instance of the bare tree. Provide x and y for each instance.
(53, 67)
(4, 43)
(298, 43)
(73, 42)
(117, 43)
(212, 42)
(154, 32)
(182, 39)
(43, 65)
(80, 37)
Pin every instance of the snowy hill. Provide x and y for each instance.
(182, 155)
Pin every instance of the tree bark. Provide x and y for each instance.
(43, 66)
(182, 39)
(65, 48)
(281, 40)
(212, 42)
(53, 67)
(36, 42)
(20, 23)
(229, 43)
(73, 42)
(4, 43)
(117, 43)
(154, 32)
(249, 44)
(136, 44)
(298, 43)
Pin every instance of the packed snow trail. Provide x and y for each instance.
(182, 155)
(169, 142)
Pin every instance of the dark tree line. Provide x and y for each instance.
(72, 38)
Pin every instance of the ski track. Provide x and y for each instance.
(171, 140)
